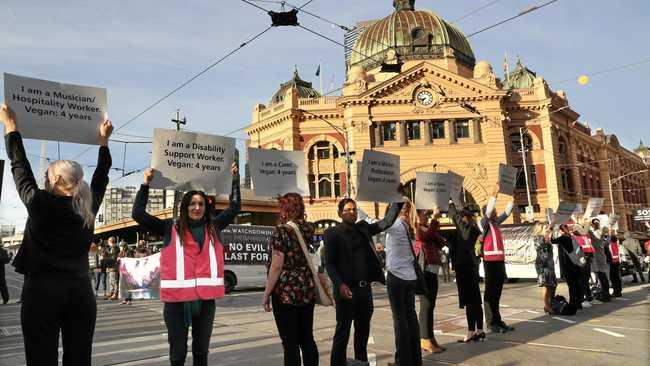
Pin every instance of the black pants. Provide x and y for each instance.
(56, 303)
(604, 284)
(427, 306)
(576, 292)
(4, 291)
(100, 277)
(401, 295)
(358, 310)
(495, 276)
(637, 267)
(296, 327)
(615, 276)
(586, 275)
(474, 315)
(174, 314)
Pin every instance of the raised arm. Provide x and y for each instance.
(227, 216)
(104, 162)
(505, 214)
(139, 212)
(388, 220)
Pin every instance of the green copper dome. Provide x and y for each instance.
(413, 34)
(520, 78)
(305, 90)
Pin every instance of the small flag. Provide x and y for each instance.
(318, 71)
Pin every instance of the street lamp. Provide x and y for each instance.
(614, 180)
(346, 147)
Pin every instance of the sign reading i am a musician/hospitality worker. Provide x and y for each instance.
(48, 110)
(185, 161)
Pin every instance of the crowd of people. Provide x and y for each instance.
(56, 263)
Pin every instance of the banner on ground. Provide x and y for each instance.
(379, 178)
(564, 212)
(48, 110)
(593, 206)
(642, 214)
(432, 190)
(140, 277)
(276, 172)
(507, 179)
(456, 188)
(245, 244)
(185, 161)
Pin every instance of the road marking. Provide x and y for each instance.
(560, 347)
(621, 299)
(532, 311)
(525, 320)
(564, 320)
(505, 306)
(371, 340)
(372, 359)
(617, 335)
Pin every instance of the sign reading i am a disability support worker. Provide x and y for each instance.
(185, 161)
(276, 172)
(47, 110)
(379, 178)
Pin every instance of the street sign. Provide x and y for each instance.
(642, 214)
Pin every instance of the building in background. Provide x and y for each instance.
(415, 89)
(118, 203)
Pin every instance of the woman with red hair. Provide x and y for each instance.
(290, 285)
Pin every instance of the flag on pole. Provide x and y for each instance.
(332, 82)
(318, 71)
(506, 67)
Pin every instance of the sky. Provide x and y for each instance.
(141, 50)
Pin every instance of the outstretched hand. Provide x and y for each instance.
(148, 176)
(105, 131)
(8, 118)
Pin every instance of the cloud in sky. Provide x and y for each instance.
(140, 50)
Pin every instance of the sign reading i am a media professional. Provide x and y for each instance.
(432, 190)
(276, 172)
(48, 110)
(185, 161)
(642, 214)
(379, 178)
(246, 244)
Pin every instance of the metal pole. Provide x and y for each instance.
(523, 157)
(347, 163)
(611, 194)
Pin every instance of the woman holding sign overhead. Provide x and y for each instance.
(191, 266)
(54, 253)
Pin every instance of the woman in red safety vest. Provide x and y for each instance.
(580, 234)
(191, 266)
(615, 267)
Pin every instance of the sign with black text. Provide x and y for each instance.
(247, 244)
(186, 161)
(564, 212)
(456, 189)
(276, 172)
(48, 110)
(593, 206)
(432, 190)
(507, 179)
(379, 178)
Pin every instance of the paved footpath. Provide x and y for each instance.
(615, 333)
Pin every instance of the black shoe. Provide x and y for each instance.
(506, 326)
(496, 328)
(479, 337)
(617, 295)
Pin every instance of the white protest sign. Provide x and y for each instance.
(507, 179)
(186, 161)
(47, 110)
(456, 188)
(432, 190)
(593, 206)
(603, 220)
(276, 172)
(379, 178)
(564, 212)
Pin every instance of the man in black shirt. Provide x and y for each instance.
(352, 264)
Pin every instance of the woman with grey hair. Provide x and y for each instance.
(54, 253)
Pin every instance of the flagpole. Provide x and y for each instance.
(320, 76)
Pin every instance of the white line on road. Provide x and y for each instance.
(621, 298)
(564, 320)
(372, 359)
(525, 320)
(617, 335)
(532, 311)
(371, 340)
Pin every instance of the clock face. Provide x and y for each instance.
(425, 98)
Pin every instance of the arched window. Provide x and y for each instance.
(324, 179)
(515, 142)
(323, 150)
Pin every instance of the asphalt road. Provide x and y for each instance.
(615, 333)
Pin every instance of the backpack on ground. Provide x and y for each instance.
(560, 306)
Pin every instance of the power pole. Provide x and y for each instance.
(177, 195)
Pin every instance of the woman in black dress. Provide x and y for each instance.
(465, 262)
(544, 264)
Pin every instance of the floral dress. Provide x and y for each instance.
(544, 264)
(296, 283)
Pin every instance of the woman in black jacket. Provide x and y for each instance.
(54, 252)
(465, 263)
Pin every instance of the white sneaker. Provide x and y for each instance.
(596, 302)
(586, 304)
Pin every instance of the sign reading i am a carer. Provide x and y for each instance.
(379, 178)
(185, 161)
(48, 110)
(276, 172)
(432, 190)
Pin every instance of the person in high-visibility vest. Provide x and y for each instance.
(615, 266)
(599, 240)
(494, 262)
(191, 265)
(580, 234)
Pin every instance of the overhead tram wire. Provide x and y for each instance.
(475, 11)
(206, 69)
(605, 71)
(525, 12)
